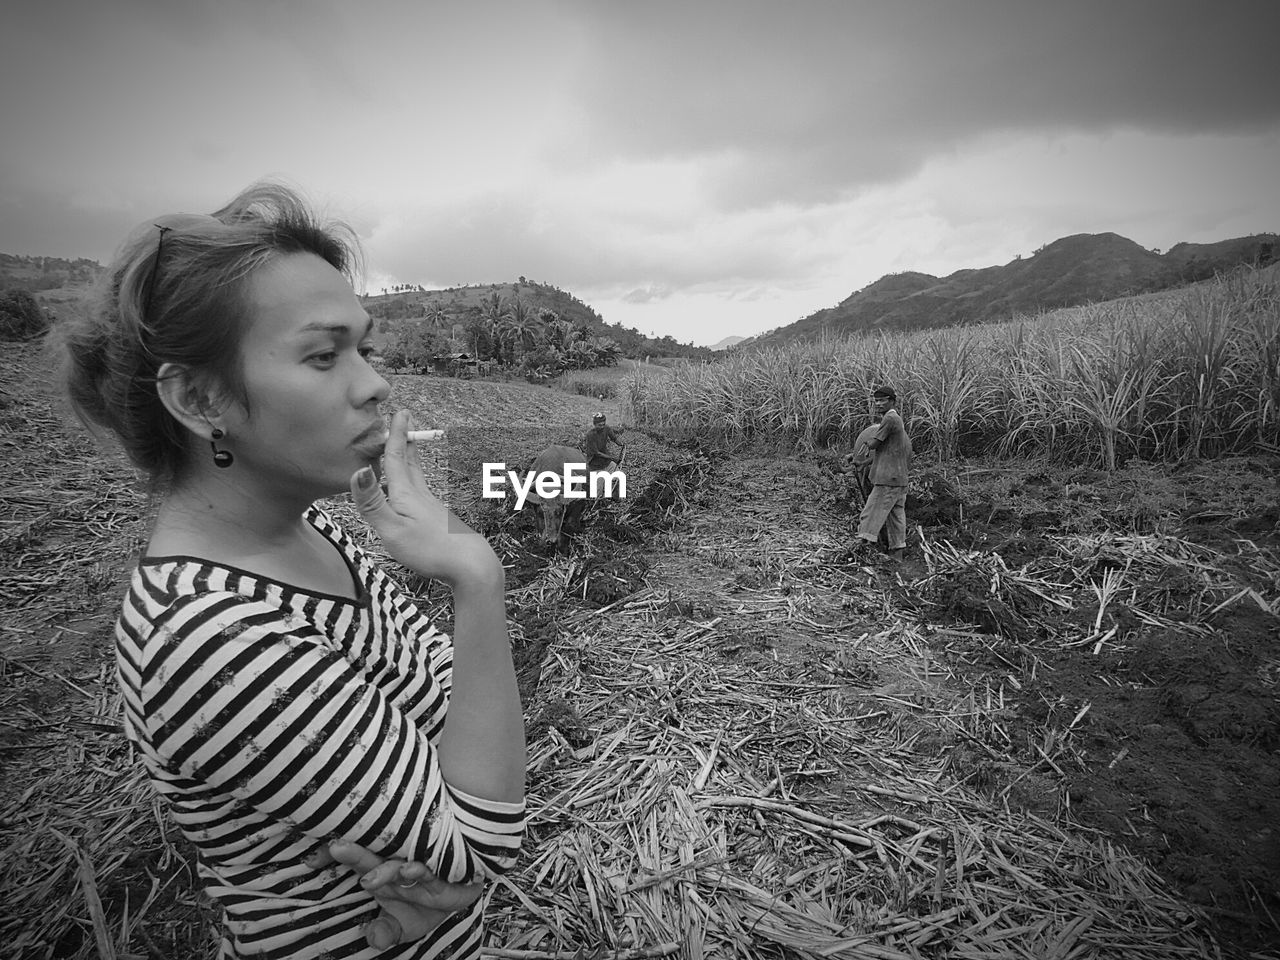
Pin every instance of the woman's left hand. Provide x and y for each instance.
(413, 900)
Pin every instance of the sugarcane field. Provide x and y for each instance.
(1051, 729)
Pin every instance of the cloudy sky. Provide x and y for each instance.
(699, 168)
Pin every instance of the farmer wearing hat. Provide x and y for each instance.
(885, 506)
(595, 444)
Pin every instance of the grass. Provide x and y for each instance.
(1191, 373)
(608, 383)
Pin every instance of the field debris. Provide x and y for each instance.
(718, 790)
(704, 812)
(1131, 580)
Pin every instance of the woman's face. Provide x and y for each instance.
(313, 417)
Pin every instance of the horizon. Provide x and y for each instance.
(1158, 251)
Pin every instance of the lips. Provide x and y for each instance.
(373, 439)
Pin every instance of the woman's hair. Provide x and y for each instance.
(176, 293)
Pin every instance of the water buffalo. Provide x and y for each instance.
(558, 511)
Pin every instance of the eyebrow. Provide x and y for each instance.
(338, 329)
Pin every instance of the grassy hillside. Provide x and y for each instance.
(1174, 375)
(1075, 270)
(465, 304)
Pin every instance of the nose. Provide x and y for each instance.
(372, 386)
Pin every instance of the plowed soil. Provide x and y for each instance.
(1178, 754)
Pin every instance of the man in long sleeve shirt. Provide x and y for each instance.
(890, 461)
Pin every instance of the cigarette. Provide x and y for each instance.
(425, 434)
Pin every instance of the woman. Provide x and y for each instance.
(346, 773)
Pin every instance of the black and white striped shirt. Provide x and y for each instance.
(273, 719)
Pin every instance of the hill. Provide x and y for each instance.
(726, 343)
(465, 304)
(61, 284)
(1082, 268)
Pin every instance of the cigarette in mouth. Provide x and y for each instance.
(425, 434)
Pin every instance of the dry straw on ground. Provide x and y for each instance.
(661, 832)
(695, 805)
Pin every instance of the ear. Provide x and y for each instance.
(188, 398)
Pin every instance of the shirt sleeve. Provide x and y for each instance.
(243, 697)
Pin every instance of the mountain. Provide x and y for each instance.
(461, 304)
(726, 343)
(1083, 268)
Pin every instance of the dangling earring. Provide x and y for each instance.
(221, 458)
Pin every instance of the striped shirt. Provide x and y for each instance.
(272, 719)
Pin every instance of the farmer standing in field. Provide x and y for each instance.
(885, 505)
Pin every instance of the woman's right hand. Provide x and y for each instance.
(416, 528)
(413, 901)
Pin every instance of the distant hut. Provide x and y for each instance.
(454, 364)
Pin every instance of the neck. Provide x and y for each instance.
(221, 514)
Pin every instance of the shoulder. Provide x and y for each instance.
(193, 632)
(197, 616)
(190, 598)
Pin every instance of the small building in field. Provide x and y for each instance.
(454, 365)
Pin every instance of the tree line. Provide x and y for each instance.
(533, 342)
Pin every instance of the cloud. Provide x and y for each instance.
(560, 233)
(671, 159)
(649, 294)
(819, 100)
(62, 225)
(643, 237)
(1132, 183)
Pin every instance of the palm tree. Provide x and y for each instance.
(522, 326)
(493, 317)
(493, 308)
(437, 316)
